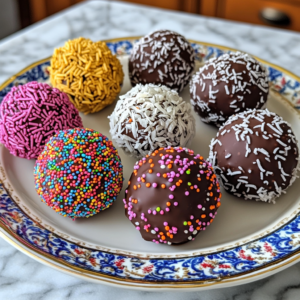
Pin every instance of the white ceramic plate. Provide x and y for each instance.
(216, 254)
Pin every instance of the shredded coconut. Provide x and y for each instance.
(166, 55)
(264, 161)
(149, 117)
(218, 83)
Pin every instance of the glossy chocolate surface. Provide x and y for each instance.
(172, 195)
(162, 57)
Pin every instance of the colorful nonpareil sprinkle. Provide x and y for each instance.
(79, 173)
(88, 72)
(31, 114)
(172, 211)
(162, 57)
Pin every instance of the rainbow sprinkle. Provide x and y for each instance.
(79, 173)
(186, 197)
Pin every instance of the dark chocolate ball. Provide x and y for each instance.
(162, 57)
(227, 85)
(172, 195)
(255, 155)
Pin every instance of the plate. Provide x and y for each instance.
(246, 242)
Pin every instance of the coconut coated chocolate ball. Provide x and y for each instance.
(162, 57)
(31, 114)
(229, 84)
(255, 155)
(149, 117)
(79, 173)
(172, 195)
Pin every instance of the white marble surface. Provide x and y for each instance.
(23, 278)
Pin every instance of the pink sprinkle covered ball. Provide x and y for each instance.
(31, 114)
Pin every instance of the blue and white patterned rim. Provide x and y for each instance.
(247, 258)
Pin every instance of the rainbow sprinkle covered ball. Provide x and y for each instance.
(79, 173)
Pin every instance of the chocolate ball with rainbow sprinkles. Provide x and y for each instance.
(31, 114)
(88, 72)
(173, 194)
(79, 173)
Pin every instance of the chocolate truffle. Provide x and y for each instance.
(172, 195)
(227, 85)
(150, 117)
(255, 155)
(88, 72)
(162, 57)
(79, 173)
(31, 114)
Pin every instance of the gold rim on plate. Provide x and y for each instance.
(68, 268)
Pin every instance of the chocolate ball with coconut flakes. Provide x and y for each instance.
(162, 57)
(149, 117)
(229, 84)
(255, 155)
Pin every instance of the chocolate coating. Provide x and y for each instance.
(162, 57)
(255, 155)
(227, 85)
(172, 195)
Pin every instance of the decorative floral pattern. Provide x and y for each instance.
(278, 245)
(38, 73)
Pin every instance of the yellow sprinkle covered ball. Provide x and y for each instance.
(88, 72)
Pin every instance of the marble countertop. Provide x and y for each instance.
(23, 278)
